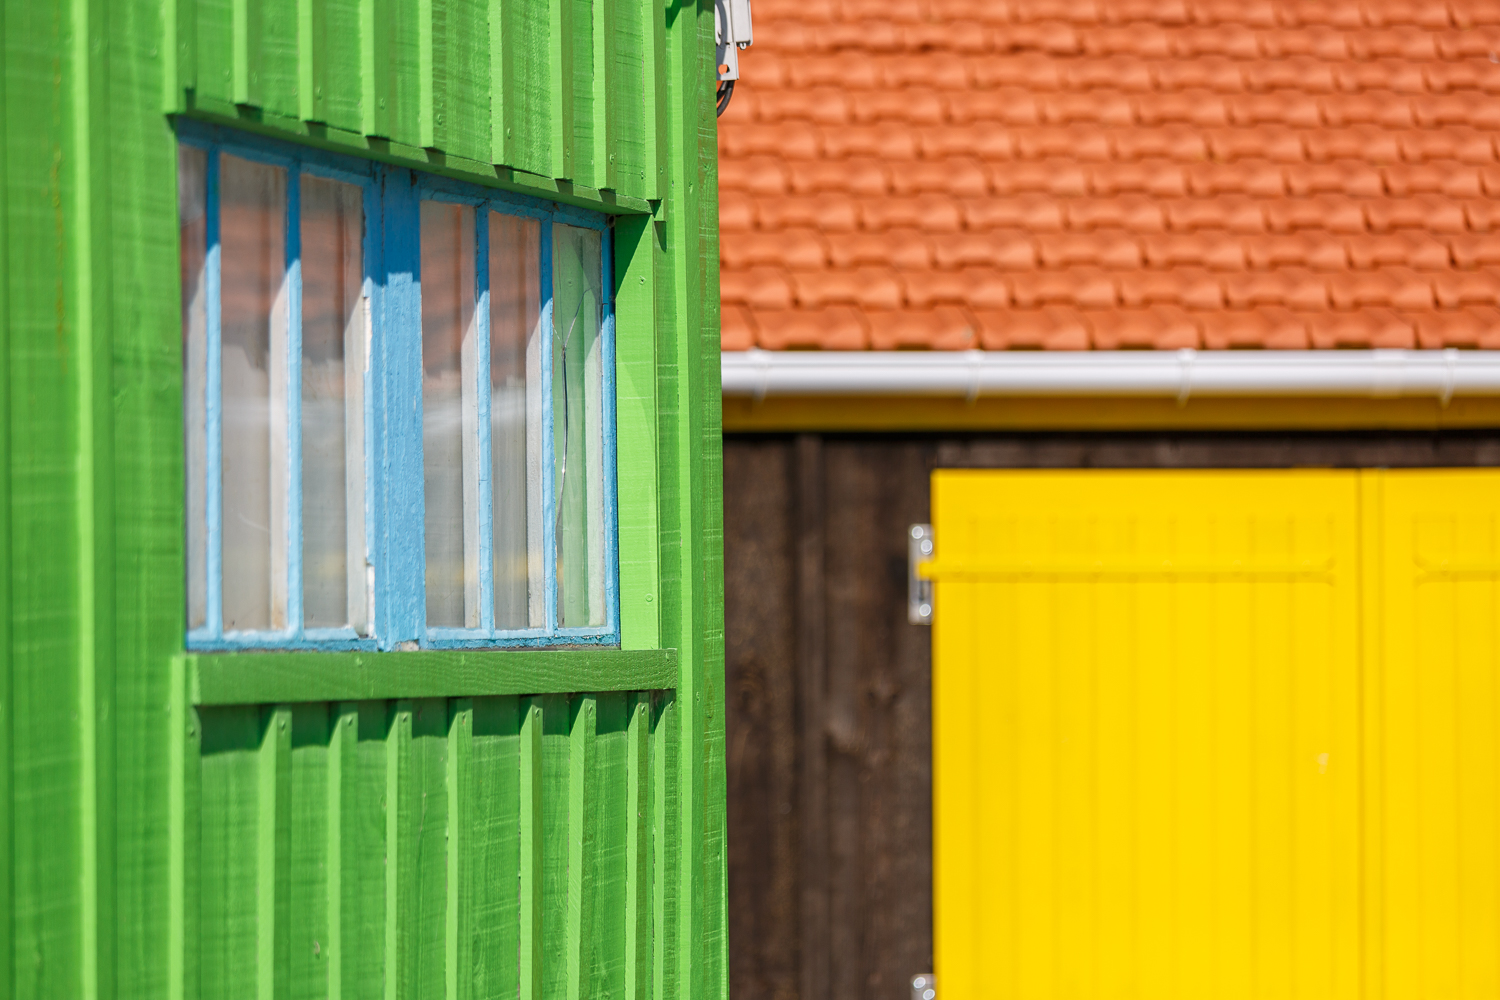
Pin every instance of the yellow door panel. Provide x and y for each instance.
(1433, 834)
(1146, 734)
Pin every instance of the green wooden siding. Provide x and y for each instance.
(433, 847)
(549, 90)
(162, 833)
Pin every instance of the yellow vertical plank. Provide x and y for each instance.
(1145, 712)
(1434, 887)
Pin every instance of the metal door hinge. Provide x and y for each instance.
(918, 590)
(923, 987)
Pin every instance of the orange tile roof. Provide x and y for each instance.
(1074, 174)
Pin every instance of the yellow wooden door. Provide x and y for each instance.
(1146, 734)
(1227, 734)
(1432, 635)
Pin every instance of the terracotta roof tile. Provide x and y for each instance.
(900, 248)
(943, 328)
(1068, 174)
(1272, 327)
(871, 287)
(1052, 328)
(1160, 327)
(836, 328)
(1365, 328)
(1472, 328)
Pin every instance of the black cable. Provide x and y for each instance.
(726, 91)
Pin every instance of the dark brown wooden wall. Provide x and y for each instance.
(829, 746)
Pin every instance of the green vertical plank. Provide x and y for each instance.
(338, 85)
(273, 874)
(655, 97)
(560, 60)
(579, 70)
(41, 175)
(495, 815)
(343, 847)
(245, 51)
(92, 355)
(416, 895)
(521, 100)
(459, 876)
(466, 111)
(583, 831)
(7, 811)
(184, 847)
(228, 881)
(531, 820)
(364, 851)
(179, 52)
(556, 784)
(692, 561)
(312, 33)
(216, 48)
(274, 66)
(607, 864)
(390, 66)
(636, 430)
(404, 71)
(432, 71)
(308, 859)
(665, 853)
(628, 121)
(145, 401)
(603, 82)
(374, 58)
(400, 861)
(638, 851)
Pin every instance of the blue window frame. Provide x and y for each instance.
(399, 406)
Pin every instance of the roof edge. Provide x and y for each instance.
(1180, 375)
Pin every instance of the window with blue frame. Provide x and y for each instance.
(398, 398)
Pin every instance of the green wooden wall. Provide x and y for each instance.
(563, 96)
(190, 826)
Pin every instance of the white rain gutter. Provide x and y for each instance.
(1182, 374)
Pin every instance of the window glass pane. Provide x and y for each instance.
(192, 170)
(515, 444)
(334, 323)
(577, 441)
(253, 305)
(450, 416)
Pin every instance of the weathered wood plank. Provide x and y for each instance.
(556, 923)
(531, 820)
(582, 843)
(496, 813)
(273, 855)
(638, 851)
(308, 850)
(606, 886)
(812, 652)
(636, 291)
(257, 678)
(761, 712)
(459, 854)
(337, 85)
(521, 105)
(229, 875)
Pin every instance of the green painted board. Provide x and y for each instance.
(161, 833)
(243, 678)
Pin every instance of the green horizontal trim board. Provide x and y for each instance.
(267, 678)
(257, 120)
